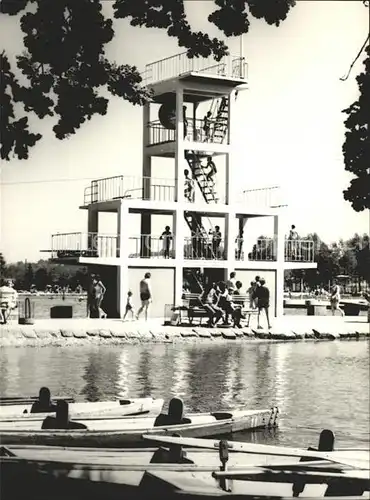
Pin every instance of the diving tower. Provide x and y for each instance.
(189, 124)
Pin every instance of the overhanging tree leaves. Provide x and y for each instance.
(356, 147)
(65, 68)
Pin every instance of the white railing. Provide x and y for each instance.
(146, 246)
(158, 134)
(200, 248)
(180, 64)
(267, 197)
(68, 245)
(139, 188)
(264, 249)
(299, 251)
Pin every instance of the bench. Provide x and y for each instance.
(194, 308)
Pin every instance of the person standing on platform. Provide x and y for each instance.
(145, 295)
(207, 120)
(262, 294)
(185, 121)
(166, 237)
(292, 243)
(216, 241)
(212, 169)
(239, 245)
(189, 191)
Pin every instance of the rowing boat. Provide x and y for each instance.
(118, 408)
(107, 473)
(120, 432)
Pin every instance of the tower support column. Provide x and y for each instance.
(123, 253)
(279, 243)
(229, 242)
(180, 149)
(179, 235)
(229, 192)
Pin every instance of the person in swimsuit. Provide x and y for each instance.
(145, 295)
(129, 306)
(189, 191)
(335, 299)
(167, 238)
(98, 294)
(262, 294)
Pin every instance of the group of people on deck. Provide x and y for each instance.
(217, 300)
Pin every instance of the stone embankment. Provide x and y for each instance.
(74, 332)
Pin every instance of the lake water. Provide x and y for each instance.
(315, 384)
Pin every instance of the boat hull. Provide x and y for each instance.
(116, 408)
(110, 474)
(128, 432)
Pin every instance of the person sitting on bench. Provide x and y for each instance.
(175, 414)
(43, 404)
(61, 420)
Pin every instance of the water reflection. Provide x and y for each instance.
(101, 375)
(123, 371)
(316, 385)
(180, 372)
(282, 368)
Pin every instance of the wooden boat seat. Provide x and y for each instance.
(5, 452)
(222, 415)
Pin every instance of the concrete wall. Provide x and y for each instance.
(246, 276)
(163, 287)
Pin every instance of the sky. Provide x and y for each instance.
(289, 127)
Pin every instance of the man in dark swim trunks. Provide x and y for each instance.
(44, 404)
(262, 295)
(145, 296)
(61, 420)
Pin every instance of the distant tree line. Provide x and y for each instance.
(39, 275)
(350, 258)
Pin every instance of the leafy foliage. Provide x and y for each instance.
(43, 273)
(356, 147)
(14, 133)
(65, 66)
(351, 258)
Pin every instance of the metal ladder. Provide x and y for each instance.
(221, 122)
(206, 187)
(190, 219)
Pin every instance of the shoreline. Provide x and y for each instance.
(73, 332)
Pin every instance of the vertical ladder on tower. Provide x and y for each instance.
(207, 187)
(220, 122)
(195, 225)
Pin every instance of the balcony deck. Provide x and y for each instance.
(90, 246)
(159, 135)
(230, 69)
(162, 192)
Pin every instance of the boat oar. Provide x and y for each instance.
(262, 449)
